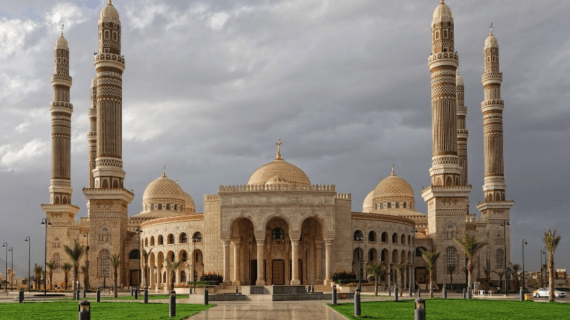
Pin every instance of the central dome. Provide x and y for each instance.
(279, 171)
(162, 188)
(393, 187)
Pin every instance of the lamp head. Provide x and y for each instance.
(4, 245)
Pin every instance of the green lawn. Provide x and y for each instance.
(103, 310)
(140, 297)
(459, 309)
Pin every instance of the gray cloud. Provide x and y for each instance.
(210, 86)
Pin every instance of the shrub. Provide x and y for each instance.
(342, 276)
(212, 276)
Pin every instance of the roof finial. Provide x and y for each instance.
(441, 1)
(491, 27)
(393, 166)
(62, 29)
(110, 2)
(163, 167)
(279, 150)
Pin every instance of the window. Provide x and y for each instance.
(372, 255)
(56, 258)
(404, 205)
(104, 264)
(450, 257)
(175, 207)
(135, 254)
(170, 239)
(450, 231)
(168, 207)
(56, 243)
(500, 258)
(445, 34)
(278, 235)
(395, 238)
(160, 207)
(357, 253)
(397, 205)
(183, 277)
(389, 205)
(105, 235)
(152, 241)
(197, 237)
(384, 237)
(107, 35)
(381, 206)
(358, 235)
(183, 238)
(403, 239)
(160, 241)
(372, 236)
(146, 242)
(437, 35)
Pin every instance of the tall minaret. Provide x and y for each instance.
(447, 197)
(92, 134)
(107, 199)
(462, 132)
(493, 106)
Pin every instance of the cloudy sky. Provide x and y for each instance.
(211, 85)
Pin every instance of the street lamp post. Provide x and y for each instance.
(29, 241)
(545, 276)
(359, 238)
(541, 283)
(46, 223)
(5, 245)
(413, 232)
(504, 224)
(523, 278)
(194, 240)
(139, 231)
(11, 267)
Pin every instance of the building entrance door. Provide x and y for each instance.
(253, 271)
(278, 272)
(134, 277)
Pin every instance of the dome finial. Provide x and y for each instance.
(491, 31)
(393, 166)
(163, 167)
(62, 29)
(110, 2)
(278, 157)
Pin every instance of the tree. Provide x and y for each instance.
(115, 262)
(38, 270)
(450, 271)
(551, 241)
(172, 266)
(51, 265)
(376, 270)
(515, 268)
(401, 267)
(66, 267)
(430, 258)
(500, 273)
(487, 271)
(85, 272)
(145, 255)
(75, 253)
(470, 246)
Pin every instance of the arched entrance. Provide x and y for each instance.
(243, 262)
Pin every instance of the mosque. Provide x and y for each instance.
(279, 228)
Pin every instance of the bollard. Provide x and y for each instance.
(444, 293)
(464, 294)
(419, 293)
(21, 296)
(396, 294)
(132, 292)
(357, 303)
(237, 290)
(313, 289)
(334, 295)
(410, 289)
(84, 293)
(469, 293)
(420, 309)
(172, 308)
(145, 296)
(84, 310)
(389, 292)
(98, 295)
(521, 295)
(136, 293)
(205, 296)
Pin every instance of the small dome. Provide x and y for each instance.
(368, 205)
(61, 43)
(442, 14)
(393, 187)
(189, 205)
(491, 41)
(109, 13)
(279, 171)
(162, 188)
(459, 79)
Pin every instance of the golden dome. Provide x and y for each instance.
(163, 188)
(189, 205)
(279, 171)
(393, 187)
(442, 14)
(491, 41)
(458, 79)
(109, 13)
(368, 205)
(61, 43)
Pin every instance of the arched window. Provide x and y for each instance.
(197, 237)
(146, 242)
(57, 259)
(135, 254)
(183, 277)
(358, 235)
(372, 236)
(450, 231)
(372, 255)
(175, 207)
(500, 259)
(168, 207)
(397, 205)
(448, 181)
(381, 206)
(159, 206)
(152, 241)
(56, 243)
(170, 239)
(384, 236)
(105, 235)
(404, 205)
(389, 205)
(395, 238)
(105, 184)
(357, 254)
(160, 241)
(278, 235)
(104, 264)
(403, 239)
(183, 238)
(450, 258)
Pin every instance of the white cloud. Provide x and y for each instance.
(218, 20)
(18, 158)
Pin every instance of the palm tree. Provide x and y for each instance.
(66, 267)
(51, 265)
(38, 270)
(500, 273)
(75, 253)
(430, 258)
(450, 272)
(115, 262)
(515, 272)
(145, 255)
(487, 271)
(172, 266)
(376, 270)
(551, 241)
(470, 246)
(401, 267)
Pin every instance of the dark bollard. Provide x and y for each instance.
(21, 296)
(84, 310)
(145, 296)
(136, 293)
(334, 295)
(98, 295)
(521, 295)
(84, 293)
(444, 293)
(172, 307)
(313, 289)
(419, 293)
(132, 292)
(205, 296)
(396, 294)
(357, 303)
(420, 309)
(237, 290)
(389, 292)
(410, 289)
(469, 293)
(464, 294)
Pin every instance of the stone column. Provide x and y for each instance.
(260, 269)
(226, 260)
(237, 268)
(328, 258)
(295, 262)
(319, 247)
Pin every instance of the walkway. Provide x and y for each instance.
(294, 310)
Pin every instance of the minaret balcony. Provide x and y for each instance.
(493, 77)
(61, 79)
